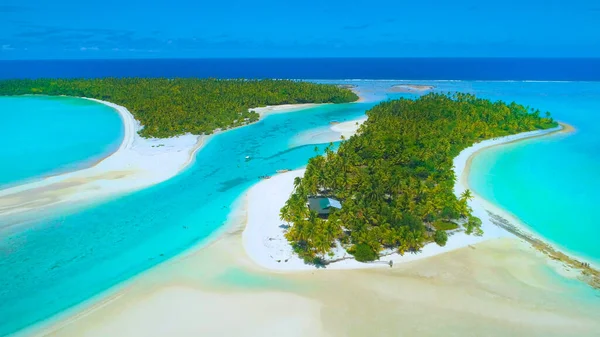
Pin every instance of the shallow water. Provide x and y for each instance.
(49, 135)
(550, 183)
(60, 261)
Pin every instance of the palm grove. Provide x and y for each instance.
(395, 178)
(170, 107)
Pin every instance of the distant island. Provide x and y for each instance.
(347, 86)
(411, 88)
(171, 107)
(390, 188)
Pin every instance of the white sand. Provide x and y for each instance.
(274, 109)
(349, 128)
(498, 288)
(328, 134)
(176, 310)
(264, 240)
(137, 163)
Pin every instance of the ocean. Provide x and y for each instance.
(56, 262)
(473, 69)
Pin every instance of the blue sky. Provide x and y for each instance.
(67, 29)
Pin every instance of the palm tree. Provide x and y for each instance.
(297, 182)
(466, 195)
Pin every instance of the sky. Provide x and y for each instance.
(75, 29)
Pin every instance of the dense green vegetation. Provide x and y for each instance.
(440, 237)
(168, 107)
(444, 225)
(395, 178)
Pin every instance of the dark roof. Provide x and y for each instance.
(323, 205)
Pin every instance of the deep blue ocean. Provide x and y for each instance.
(57, 261)
(484, 69)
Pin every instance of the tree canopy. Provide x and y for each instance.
(169, 107)
(395, 177)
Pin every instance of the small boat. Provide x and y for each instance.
(265, 177)
(247, 158)
(283, 171)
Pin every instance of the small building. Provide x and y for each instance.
(323, 205)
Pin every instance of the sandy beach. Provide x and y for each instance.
(496, 288)
(329, 134)
(137, 163)
(274, 109)
(235, 286)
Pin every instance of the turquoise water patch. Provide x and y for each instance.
(238, 278)
(572, 286)
(550, 183)
(42, 136)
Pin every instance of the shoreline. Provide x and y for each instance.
(266, 246)
(132, 166)
(502, 218)
(349, 128)
(329, 134)
(129, 168)
(86, 164)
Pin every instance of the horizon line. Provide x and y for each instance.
(320, 58)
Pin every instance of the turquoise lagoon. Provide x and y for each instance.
(56, 262)
(53, 135)
(60, 261)
(550, 183)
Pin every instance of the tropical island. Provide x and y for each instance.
(171, 107)
(389, 188)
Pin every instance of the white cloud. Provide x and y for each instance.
(7, 47)
(89, 48)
